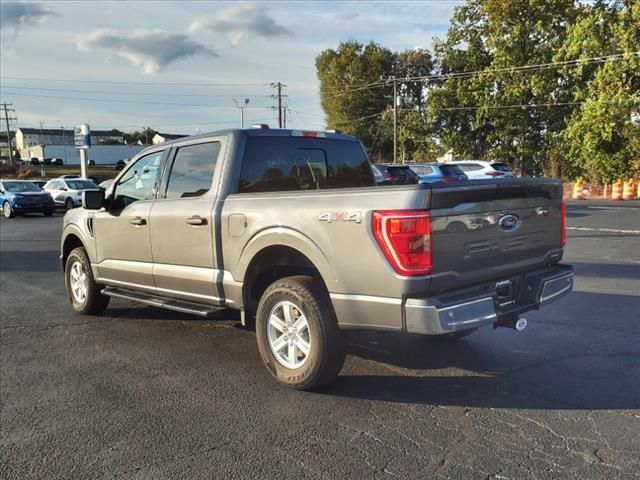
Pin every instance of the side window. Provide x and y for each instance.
(192, 170)
(279, 163)
(139, 182)
(470, 167)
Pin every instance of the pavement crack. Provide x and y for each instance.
(174, 458)
(466, 433)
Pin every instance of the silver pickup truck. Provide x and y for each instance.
(289, 228)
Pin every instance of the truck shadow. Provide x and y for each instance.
(414, 372)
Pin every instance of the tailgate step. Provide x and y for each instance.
(156, 301)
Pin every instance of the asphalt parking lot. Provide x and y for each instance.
(148, 394)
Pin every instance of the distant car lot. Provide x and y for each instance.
(147, 393)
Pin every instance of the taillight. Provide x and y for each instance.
(563, 223)
(404, 236)
(446, 180)
(494, 174)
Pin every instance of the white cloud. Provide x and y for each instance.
(151, 49)
(241, 21)
(17, 15)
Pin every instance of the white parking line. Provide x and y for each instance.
(607, 230)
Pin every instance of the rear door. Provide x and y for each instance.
(182, 225)
(493, 229)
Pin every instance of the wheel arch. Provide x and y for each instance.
(72, 238)
(271, 263)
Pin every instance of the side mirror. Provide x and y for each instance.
(63, 189)
(92, 199)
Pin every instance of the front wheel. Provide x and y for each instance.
(298, 335)
(68, 203)
(84, 293)
(7, 210)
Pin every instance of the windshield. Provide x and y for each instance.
(17, 187)
(81, 184)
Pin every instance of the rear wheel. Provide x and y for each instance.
(298, 335)
(7, 211)
(84, 293)
(68, 203)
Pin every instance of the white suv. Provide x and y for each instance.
(482, 170)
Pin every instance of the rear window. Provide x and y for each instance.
(422, 169)
(275, 164)
(451, 170)
(401, 172)
(501, 167)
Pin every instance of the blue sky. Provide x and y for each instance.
(176, 66)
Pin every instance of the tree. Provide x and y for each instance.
(479, 114)
(602, 138)
(356, 92)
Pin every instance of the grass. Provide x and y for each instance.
(102, 172)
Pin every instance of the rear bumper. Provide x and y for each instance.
(467, 309)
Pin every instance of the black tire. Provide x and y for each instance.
(94, 302)
(7, 211)
(327, 343)
(68, 204)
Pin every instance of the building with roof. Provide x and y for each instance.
(165, 137)
(30, 137)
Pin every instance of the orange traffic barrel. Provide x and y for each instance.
(577, 190)
(607, 191)
(627, 192)
(616, 190)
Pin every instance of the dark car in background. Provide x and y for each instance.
(389, 174)
(21, 196)
(438, 172)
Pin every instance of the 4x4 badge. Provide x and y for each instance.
(331, 217)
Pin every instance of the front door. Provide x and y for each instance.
(182, 226)
(122, 231)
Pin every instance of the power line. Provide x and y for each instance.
(134, 93)
(189, 84)
(134, 102)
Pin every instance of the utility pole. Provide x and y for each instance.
(395, 120)
(7, 119)
(284, 116)
(279, 96)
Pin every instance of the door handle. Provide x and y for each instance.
(138, 221)
(196, 220)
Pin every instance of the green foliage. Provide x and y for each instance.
(552, 118)
(143, 137)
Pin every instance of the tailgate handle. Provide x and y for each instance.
(138, 221)
(196, 220)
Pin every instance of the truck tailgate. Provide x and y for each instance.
(492, 230)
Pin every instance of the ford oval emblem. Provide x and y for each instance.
(509, 222)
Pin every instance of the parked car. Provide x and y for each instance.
(92, 163)
(289, 228)
(34, 161)
(120, 164)
(437, 172)
(39, 183)
(21, 196)
(47, 161)
(106, 184)
(67, 192)
(482, 170)
(57, 161)
(388, 174)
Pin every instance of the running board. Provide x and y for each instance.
(160, 302)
